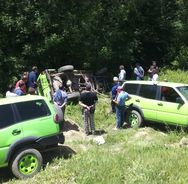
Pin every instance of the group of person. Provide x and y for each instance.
(120, 96)
(87, 101)
(26, 85)
(139, 72)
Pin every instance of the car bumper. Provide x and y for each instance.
(51, 140)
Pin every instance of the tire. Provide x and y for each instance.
(73, 95)
(26, 163)
(134, 119)
(66, 68)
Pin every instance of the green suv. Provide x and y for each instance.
(28, 125)
(163, 102)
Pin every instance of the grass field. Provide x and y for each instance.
(147, 155)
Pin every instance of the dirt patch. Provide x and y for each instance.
(145, 136)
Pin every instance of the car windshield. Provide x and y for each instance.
(184, 91)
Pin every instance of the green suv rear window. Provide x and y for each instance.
(32, 109)
(6, 116)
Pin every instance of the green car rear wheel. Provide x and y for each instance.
(135, 119)
(26, 163)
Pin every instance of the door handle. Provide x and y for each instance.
(137, 100)
(16, 132)
(160, 104)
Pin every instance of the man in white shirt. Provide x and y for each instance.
(122, 73)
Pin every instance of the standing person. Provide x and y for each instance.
(114, 93)
(32, 80)
(60, 98)
(10, 91)
(87, 102)
(122, 96)
(23, 80)
(139, 72)
(122, 73)
(155, 76)
(152, 70)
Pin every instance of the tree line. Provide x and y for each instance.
(91, 34)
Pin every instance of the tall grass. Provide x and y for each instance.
(174, 76)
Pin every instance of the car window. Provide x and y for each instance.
(32, 109)
(169, 94)
(131, 88)
(148, 91)
(6, 116)
(184, 91)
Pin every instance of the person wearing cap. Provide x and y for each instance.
(122, 96)
(114, 93)
(32, 79)
(87, 102)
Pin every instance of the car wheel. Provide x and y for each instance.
(65, 68)
(26, 163)
(134, 119)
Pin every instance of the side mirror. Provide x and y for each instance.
(179, 100)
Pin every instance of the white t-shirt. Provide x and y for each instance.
(155, 77)
(122, 74)
(10, 94)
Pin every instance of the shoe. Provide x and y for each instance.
(116, 128)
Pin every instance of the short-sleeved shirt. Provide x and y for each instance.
(113, 91)
(19, 92)
(122, 74)
(122, 97)
(24, 89)
(88, 98)
(32, 79)
(60, 97)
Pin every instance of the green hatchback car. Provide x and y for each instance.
(28, 125)
(163, 102)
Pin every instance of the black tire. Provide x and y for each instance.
(66, 68)
(73, 95)
(26, 163)
(134, 119)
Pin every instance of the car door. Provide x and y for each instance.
(36, 118)
(169, 110)
(146, 101)
(10, 130)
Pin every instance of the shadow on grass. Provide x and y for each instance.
(165, 128)
(69, 126)
(5, 175)
(58, 152)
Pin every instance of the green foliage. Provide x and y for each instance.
(100, 33)
(174, 76)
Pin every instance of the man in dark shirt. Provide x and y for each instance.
(32, 80)
(87, 102)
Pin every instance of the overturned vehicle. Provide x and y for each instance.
(73, 81)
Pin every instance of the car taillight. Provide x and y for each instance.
(56, 118)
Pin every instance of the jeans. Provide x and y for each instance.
(120, 116)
